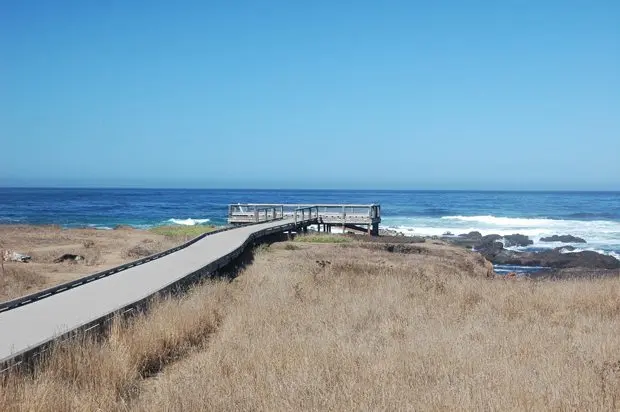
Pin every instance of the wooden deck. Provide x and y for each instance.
(351, 216)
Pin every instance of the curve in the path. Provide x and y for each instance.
(27, 329)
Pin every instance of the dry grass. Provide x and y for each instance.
(340, 327)
(149, 247)
(17, 279)
(106, 375)
(319, 238)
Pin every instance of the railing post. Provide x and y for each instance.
(255, 214)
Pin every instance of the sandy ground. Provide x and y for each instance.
(101, 249)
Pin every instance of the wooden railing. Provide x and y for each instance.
(327, 213)
(304, 214)
(266, 214)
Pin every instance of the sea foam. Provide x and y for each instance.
(188, 222)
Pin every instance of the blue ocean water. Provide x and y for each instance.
(595, 216)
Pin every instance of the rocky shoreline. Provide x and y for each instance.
(561, 261)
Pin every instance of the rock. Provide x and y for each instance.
(489, 246)
(390, 232)
(448, 234)
(471, 235)
(562, 249)
(489, 238)
(489, 249)
(11, 256)
(69, 257)
(555, 259)
(517, 240)
(563, 239)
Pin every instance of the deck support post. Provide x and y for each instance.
(375, 229)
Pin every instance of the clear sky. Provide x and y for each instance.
(467, 94)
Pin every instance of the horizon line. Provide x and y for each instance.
(309, 189)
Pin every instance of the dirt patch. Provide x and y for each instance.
(52, 247)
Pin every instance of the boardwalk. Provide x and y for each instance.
(25, 328)
(365, 218)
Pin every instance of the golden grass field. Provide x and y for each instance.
(348, 326)
(101, 249)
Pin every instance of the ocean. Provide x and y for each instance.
(594, 216)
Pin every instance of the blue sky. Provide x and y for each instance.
(510, 94)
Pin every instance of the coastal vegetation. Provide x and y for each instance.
(181, 231)
(347, 326)
(322, 238)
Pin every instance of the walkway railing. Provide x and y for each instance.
(331, 214)
(304, 214)
(266, 214)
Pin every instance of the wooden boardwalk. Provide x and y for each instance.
(348, 216)
(28, 325)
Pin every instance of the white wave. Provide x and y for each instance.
(601, 235)
(590, 249)
(503, 221)
(188, 222)
(99, 227)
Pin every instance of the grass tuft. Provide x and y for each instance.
(182, 231)
(17, 279)
(316, 238)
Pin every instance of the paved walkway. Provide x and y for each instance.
(34, 324)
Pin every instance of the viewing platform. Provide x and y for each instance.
(354, 217)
